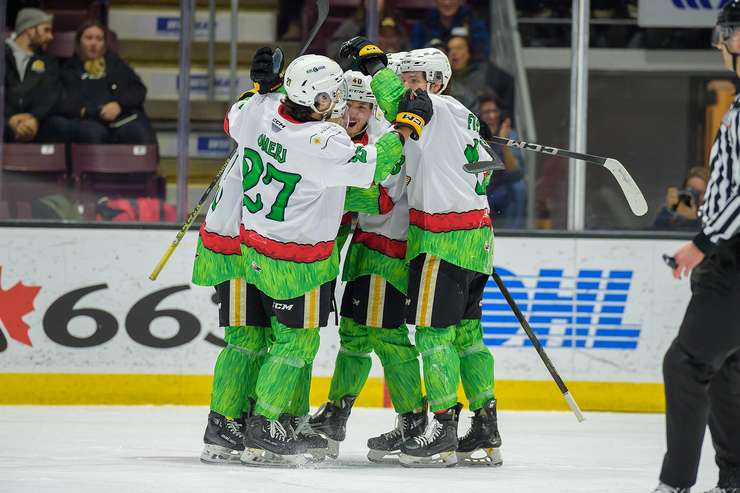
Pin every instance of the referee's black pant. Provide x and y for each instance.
(701, 371)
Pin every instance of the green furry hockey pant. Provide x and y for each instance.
(446, 308)
(373, 320)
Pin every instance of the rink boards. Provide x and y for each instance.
(82, 324)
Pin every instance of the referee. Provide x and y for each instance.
(701, 369)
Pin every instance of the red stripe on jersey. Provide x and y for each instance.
(293, 252)
(380, 243)
(385, 203)
(226, 245)
(450, 221)
(226, 125)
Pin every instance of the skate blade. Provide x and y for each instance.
(332, 451)
(314, 455)
(261, 457)
(383, 456)
(442, 459)
(481, 457)
(215, 454)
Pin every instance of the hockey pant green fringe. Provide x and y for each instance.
(451, 354)
(291, 355)
(237, 368)
(396, 353)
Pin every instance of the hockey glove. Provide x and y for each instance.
(266, 68)
(414, 111)
(368, 57)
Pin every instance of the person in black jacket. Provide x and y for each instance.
(104, 93)
(31, 82)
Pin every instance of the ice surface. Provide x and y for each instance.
(156, 449)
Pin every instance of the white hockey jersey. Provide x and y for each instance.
(293, 178)
(448, 208)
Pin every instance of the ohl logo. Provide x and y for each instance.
(15, 303)
(582, 311)
(700, 4)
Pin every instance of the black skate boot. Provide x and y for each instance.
(331, 422)
(481, 445)
(729, 480)
(269, 443)
(223, 440)
(311, 443)
(387, 447)
(664, 488)
(437, 445)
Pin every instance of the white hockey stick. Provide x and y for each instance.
(631, 191)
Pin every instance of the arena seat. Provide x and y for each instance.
(115, 170)
(31, 171)
(63, 44)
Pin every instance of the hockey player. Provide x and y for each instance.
(450, 249)
(293, 170)
(373, 305)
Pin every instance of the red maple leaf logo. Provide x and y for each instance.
(14, 304)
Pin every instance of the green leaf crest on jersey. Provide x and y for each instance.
(272, 148)
(217, 199)
(360, 155)
(399, 164)
(473, 122)
(471, 151)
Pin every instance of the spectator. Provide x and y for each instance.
(681, 210)
(31, 82)
(475, 77)
(448, 15)
(103, 93)
(392, 37)
(507, 195)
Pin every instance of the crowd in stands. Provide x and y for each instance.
(94, 97)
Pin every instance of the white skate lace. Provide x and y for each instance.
(234, 428)
(278, 432)
(398, 430)
(434, 428)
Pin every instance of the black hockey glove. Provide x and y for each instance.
(368, 57)
(266, 67)
(414, 111)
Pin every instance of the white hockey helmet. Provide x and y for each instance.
(358, 87)
(310, 78)
(395, 59)
(432, 62)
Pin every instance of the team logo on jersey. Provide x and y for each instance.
(323, 136)
(256, 267)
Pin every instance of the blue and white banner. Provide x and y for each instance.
(164, 83)
(679, 13)
(201, 144)
(164, 24)
(605, 309)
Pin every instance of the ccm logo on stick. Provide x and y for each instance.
(535, 147)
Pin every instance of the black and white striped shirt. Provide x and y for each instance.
(720, 212)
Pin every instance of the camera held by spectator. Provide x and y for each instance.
(681, 210)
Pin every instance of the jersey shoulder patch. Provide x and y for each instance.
(327, 132)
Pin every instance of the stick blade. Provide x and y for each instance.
(483, 166)
(631, 191)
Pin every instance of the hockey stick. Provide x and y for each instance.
(277, 59)
(540, 350)
(189, 221)
(631, 191)
(323, 9)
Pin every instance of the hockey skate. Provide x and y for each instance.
(437, 446)
(664, 488)
(269, 443)
(331, 422)
(482, 443)
(314, 445)
(223, 440)
(387, 447)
